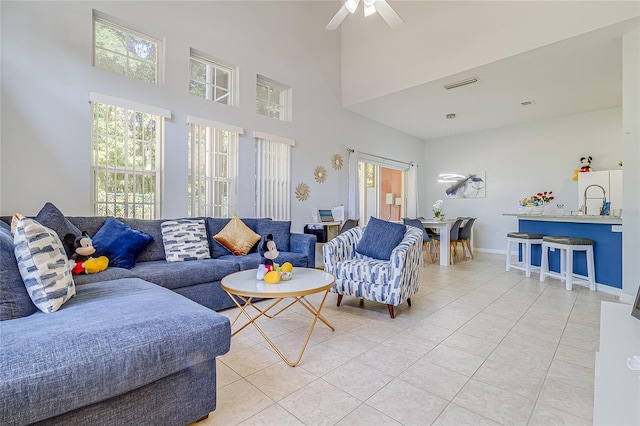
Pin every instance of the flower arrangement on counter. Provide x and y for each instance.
(539, 199)
(437, 209)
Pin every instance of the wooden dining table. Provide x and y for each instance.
(444, 228)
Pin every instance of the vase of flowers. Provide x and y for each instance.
(535, 204)
(437, 209)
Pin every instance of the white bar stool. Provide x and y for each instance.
(568, 245)
(527, 239)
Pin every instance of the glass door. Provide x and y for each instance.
(381, 192)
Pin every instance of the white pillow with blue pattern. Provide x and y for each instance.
(185, 239)
(43, 265)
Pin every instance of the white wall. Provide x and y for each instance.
(46, 76)
(520, 161)
(631, 179)
(443, 38)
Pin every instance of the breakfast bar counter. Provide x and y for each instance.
(605, 231)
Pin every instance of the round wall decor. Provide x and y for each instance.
(302, 191)
(336, 161)
(320, 174)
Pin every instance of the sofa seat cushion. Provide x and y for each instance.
(111, 273)
(182, 274)
(365, 270)
(111, 338)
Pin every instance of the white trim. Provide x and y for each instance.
(132, 105)
(214, 124)
(274, 138)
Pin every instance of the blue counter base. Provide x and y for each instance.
(607, 249)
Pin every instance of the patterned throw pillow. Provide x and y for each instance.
(185, 239)
(43, 265)
(237, 237)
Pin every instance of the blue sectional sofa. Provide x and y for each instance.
(128, 348)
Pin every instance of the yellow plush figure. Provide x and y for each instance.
(575, 174)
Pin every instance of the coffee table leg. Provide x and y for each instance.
(309, 307)
(304, 302)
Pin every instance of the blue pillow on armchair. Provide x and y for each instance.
(380, 238)
(120, 243)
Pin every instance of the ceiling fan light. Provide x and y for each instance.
(351, 5)
(369, 9)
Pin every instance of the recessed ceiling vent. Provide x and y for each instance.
(527, 103)
(461, 83)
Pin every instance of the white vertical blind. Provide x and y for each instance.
(273, 177)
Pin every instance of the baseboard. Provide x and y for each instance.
(493, 251)
(626, 298)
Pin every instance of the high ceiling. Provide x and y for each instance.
(576, 75)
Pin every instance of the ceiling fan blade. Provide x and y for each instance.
(388, 14)
(338, 18)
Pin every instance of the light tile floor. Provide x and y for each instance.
(479, 346)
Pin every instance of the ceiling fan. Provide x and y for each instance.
(370, 7)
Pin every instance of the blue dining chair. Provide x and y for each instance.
(427, 241)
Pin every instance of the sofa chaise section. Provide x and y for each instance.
(119, 352)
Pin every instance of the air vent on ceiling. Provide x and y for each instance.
(527, 103)
(460, 83)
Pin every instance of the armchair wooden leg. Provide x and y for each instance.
(390, 307)
(339, 300)
(409, 302)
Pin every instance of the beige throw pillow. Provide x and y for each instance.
(237, 237)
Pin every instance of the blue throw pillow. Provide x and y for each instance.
(51, 217)
(120, 243)
(380, 238)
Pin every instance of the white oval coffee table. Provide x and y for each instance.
(243, 287)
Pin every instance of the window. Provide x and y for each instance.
(126, 160)
(273, 99)
(125, 52)
(213, 163)
(273, 176)
(210, 80)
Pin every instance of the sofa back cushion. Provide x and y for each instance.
(281, 231)
(14, 299)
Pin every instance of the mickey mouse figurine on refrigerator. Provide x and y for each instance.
(585, 164)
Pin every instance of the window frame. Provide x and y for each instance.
(285, 98)
(211, 66)
(128, 206)
(103, 20)
(211, 207)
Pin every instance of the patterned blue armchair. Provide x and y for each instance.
(385, 281)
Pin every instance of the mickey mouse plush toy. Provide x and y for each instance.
(268, 252)
(585, 164)
(81, 260)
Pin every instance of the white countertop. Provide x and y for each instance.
(566, 218)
